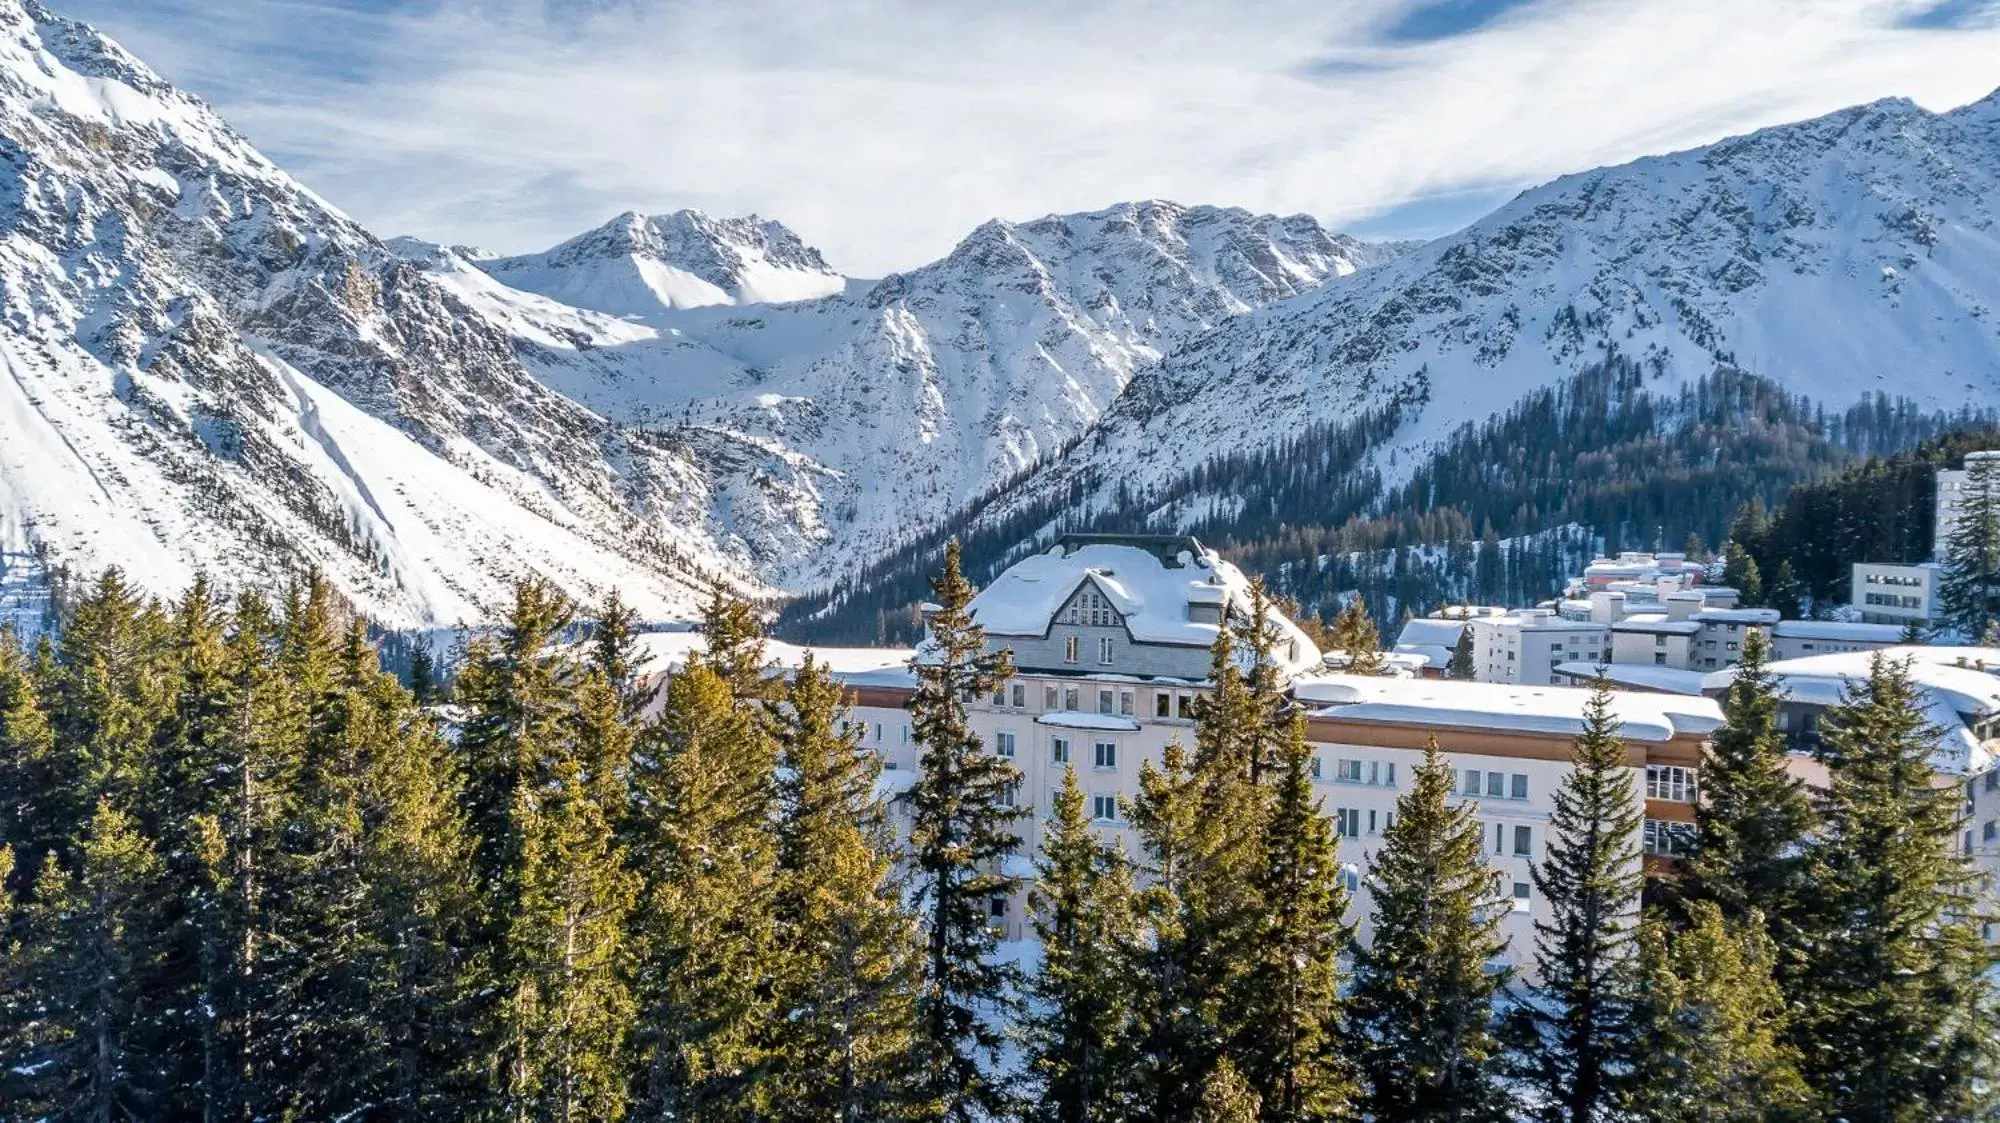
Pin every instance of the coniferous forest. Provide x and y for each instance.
(249, 875)
(1616, 464)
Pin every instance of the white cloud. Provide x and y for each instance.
(883, 130)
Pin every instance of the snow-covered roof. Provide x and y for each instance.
(1150, 580)
(1656, 624)
(1736, 615)
(1081, 719)
(1949, 692)
(1840, 630)
(664, 652)
(1429, 631)
(1638, 676)
(1431, 654)
(1556, 710)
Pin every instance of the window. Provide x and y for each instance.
(1521, 891)
(1105, 754)
(1105, 700)
(1070, 647)
(1020, 691)
(1672, 840)
(1000, 695)
(1104, 808)
(1010, 794)
(878, 732)
(1524, 842)
(1125, 702)
(1163, 704)
(1496, 783)
(1993, 780)
(1050, 698)
(1990, 831)
(1070, 698)
(1350, 879)
(1347, 771)
(1371, 820)
(1519, 786)
(1058, 750)
(1347, 821)
(1315, 768)
(1499, 838)
(1659, 658)
(1104, 649)
(1186, 702)
(1003, 744)
(1665, 781)
(1472, 781)
(906, 735)
(1389, 773)
(996, 907)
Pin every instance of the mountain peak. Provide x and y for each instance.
(640, 264)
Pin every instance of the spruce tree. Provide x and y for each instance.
(1355, 633)
(93, 938)
(1176, 1038)
(846, 1012)
(1287, 1041)
(1739, 572)
(614, 652)
(1461, 666)
(566, 1010)
(962, 830)
(29, 767)
(1079, 1028)
(1785, 593)
(1422, 1008)
(1711, 1023)
(706, 935)
(1577, 1052)
(1971, 576)
(1898, 1008)
(1227, 1098)
(1753, 816)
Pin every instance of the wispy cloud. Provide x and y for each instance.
(884, 129)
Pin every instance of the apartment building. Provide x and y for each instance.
(1526, 646)
(1688, 634)
(1887, 593)
(1797, 639)
(1509, 748)
(1951, 497)
(1982, 842)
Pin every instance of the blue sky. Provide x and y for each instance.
(884, 130)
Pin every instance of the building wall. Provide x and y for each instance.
(1363, 768)
(1505, 649)
(1719, 644)
(1128, 656)
(1894, 594)
(1662, 649)
(1982, 840)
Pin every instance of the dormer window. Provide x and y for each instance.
(1091, 608)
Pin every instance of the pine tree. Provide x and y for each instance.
(1711, 1025)
(1753, 816)
(423, 674)
(1971, 576)
(566, 1010)
(1739, 572)
(846, 1017)
(1078, 1031)
(1576, 1055)
(1227, 1098)
(1422, 1009)
(706, 936)
(29, 767)
(1288, 1039)
(1898, 1010)
(614, 651)
(93, 939)
(1786, 595)
(1354, 631)
(962, 830)
(1461, 666)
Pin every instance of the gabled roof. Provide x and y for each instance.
(1149, 586)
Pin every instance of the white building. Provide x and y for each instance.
(1796, 639)
(1889, 593)
(1635, 567)
(1982, 840)
(1525, 647)
(1433, 637)
(1950, 496)
(1688, 635)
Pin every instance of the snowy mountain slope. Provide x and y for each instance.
(1848, 254)
(930, 387)
(204, 366)
(639, 265)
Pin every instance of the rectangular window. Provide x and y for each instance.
(1104, 650)
(1375, 772)
(1315, 770)
(1371, 820)
(1496, 784)
(1186, 702)
(1521, 891)
(1389, 773)
(1347, 822)
(1059, 750)
(1105, 701)
(1163, 704)
(1670, 782)
(1000, 695)
(1050, 698)
(1010, 794)
(1003, 744)
(906, 735)
(1071, 699)
(1472, 781)
(878, 732)
(1104, 808)
(1518, 786)
(1499, 838)
(1671, 840)
(1105, 754)
(1523, 842)
(1020, 691)
(1990, 831)
(1070, 648)
(1659, 658)
(1347, 771)
(996, 907)
(1125, 702)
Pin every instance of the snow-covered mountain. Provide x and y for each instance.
(206, 367)
(925, 389)
(1854, 253)
(639, 265)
